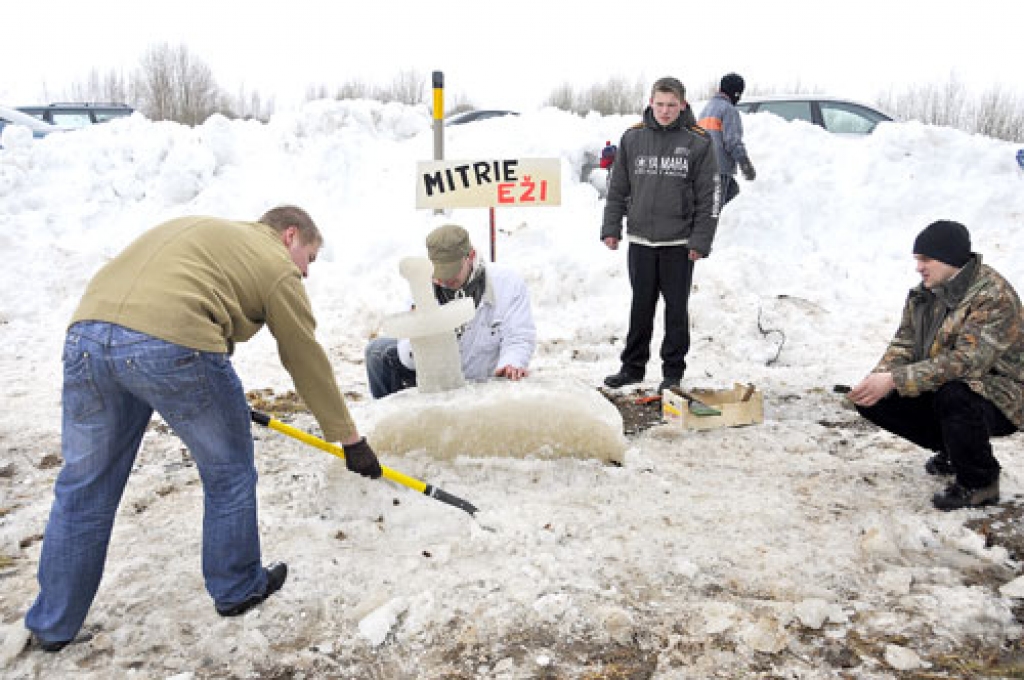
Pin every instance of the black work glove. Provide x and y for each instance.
(748, 170)
(360, 458)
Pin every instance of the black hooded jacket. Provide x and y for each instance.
(665, 182)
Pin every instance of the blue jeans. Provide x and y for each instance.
(114, 378)
(384, 370)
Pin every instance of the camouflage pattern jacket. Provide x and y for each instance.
(970, 329)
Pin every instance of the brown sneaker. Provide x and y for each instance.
(956, 496)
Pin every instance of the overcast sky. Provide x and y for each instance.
(514, 54)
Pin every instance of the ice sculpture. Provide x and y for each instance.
(430, 328)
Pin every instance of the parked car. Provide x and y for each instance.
(474, 116)
(833, 114)
(38, 127)
(78, 114)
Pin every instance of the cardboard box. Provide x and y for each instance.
(675, 409)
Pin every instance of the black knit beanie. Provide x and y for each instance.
(732, 85)
(945, 241)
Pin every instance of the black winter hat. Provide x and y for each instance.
(945, 241)
(732, 84)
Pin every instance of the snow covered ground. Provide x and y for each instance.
(805, 547)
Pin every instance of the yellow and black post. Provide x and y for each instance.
(438, 79)
(438, 82)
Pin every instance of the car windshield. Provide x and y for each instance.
(105, 116)
(72, 118)
(788, 110)
(848, 118)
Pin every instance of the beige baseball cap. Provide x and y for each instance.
(447, 247)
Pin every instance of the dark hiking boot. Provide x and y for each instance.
(956, 496)
(35, 642)
(54, 646)
(622, 378)
(668, 384)
(276, 574)
(939, 464)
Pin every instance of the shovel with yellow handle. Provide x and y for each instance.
(335, 450)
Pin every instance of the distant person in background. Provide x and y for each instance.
(498, 341)
(154, 331)
(953, 376)
(608, 155)
(665, 183)
(722, 121)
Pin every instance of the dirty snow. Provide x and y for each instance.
(799, 548)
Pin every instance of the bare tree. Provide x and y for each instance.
(111, 87)
(248, 105)
(457, 103)
(1000, 114)
(354, 89)
(706, 90)
(765, 89)
(154, 84)
(941, 104)
(563, 97)
(615, 96)
(315, 92)
(408, 87)
(172, 84)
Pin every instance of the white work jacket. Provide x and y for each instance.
(501, 332)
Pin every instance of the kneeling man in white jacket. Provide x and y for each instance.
(497, 342)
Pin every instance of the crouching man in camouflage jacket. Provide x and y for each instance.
(953, 376)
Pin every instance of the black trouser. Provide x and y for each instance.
(666, 271)
(954, 420)
(730, 188)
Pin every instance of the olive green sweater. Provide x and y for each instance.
(208, 283)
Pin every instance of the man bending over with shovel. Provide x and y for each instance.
(154, 332)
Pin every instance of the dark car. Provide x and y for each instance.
(78, 114)
(474, 116)
(833, 114)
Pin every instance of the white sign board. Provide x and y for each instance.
(504, 183)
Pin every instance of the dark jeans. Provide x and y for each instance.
(730, 188)
(384, 370)
(668, 272)
(954, 420)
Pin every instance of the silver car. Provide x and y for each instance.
(834, 114)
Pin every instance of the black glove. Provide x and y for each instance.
(359, 457)
(748, 170)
